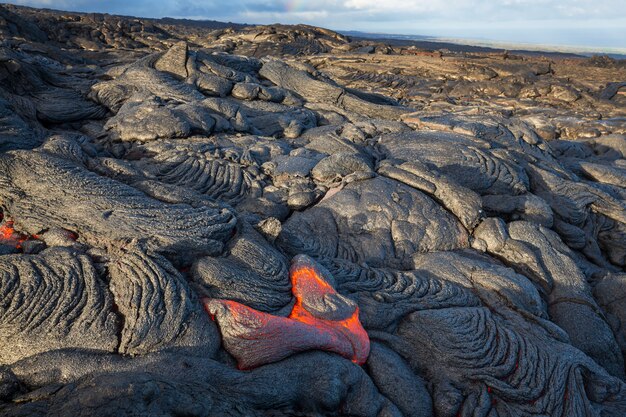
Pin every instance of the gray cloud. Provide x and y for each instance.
(579, 22)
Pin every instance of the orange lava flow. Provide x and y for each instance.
(9, 236)
(249, 332)
(6, 231)
(307, 280)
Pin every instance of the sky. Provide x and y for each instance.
(585, 23)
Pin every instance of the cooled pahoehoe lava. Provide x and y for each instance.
(376, 229)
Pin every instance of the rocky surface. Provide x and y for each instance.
(203, 219)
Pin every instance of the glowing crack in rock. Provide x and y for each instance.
(320, 319)
(9, 236)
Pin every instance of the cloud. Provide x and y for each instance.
(293, 17)
(548, 21)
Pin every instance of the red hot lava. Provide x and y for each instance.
(11, 237)
(320, 319)
(8, 235)
(307, 284)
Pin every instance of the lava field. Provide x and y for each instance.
(203, 220)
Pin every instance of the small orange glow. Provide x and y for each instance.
(9, 236)
(6, 231)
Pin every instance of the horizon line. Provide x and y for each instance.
(478, 42)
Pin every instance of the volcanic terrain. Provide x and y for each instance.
(205, 219)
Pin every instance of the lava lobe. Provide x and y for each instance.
(320, 319)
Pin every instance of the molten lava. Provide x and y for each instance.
(8, 235)
(320, 319)
(307, 283)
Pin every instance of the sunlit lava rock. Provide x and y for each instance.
(320, 319)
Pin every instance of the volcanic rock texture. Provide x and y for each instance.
(202, 219)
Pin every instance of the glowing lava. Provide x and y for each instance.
(309, 287)
(320, 319)
(8, 235)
